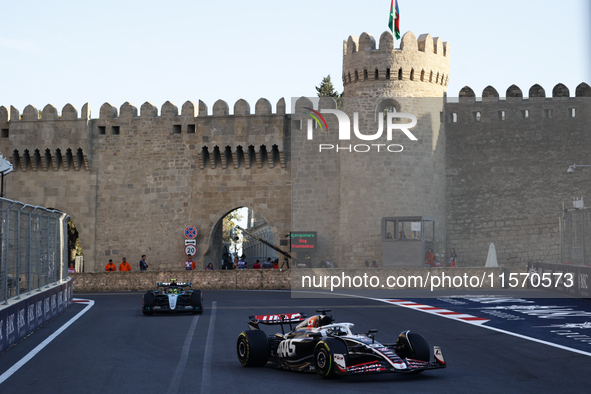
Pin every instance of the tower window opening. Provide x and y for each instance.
(5, 132)
(176, 129)
(477, 116)
(412, 74)
(102, 130)
(388, 74)
(431, 76)
(365, 75)
(115, 130)
(356, 76)
(349, 77)
(422, 75)
(400, 74)
(525, 114)
(502, 115)
(190, 129)
(376, 75)
(548, 113)
(573, 112)
(437, 78)
(453, 117)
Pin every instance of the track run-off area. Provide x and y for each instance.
(491, 343)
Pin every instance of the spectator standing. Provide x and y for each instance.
(71, 269)
(267, 264)
(429, 258)
(209, 267)
(374, 264)
(242, 264)
(256, 265)
(124, 266)
(143, 264)
(190, 264)
(110, 267)
(453, 258)
(235, 263)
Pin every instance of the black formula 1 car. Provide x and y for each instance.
(172, 297)
(331, 349)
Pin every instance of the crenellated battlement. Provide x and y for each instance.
(490, 109)
(514, 93)
(423, 60)
(147, 110)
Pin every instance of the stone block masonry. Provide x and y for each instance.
(489, 170)
(200, 280)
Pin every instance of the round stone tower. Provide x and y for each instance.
(408, 181)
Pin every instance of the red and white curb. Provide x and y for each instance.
(438, 311)
(82, 301)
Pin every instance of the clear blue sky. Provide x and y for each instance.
(116, 51)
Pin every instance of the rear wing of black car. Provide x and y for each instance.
(173, 283)
(282, 318)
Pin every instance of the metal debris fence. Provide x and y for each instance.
(33, 248)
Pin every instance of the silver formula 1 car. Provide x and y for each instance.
(172, 297)
(332, 349)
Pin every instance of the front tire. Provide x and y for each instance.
(148, 302)
(414, 346)
(330, 358)
(197, 301)
(252, 348)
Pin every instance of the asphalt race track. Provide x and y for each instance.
(113, 348)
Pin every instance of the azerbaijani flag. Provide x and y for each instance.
(394, 22)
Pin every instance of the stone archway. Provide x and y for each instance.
(216, 244)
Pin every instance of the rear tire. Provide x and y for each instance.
(148, 303)
(252, 348)
(324, 358)
(197, 301)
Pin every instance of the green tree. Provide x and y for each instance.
(326, 89)
(73, 241)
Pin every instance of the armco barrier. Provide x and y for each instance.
(21, 317)
(204, 280)
(580, 275)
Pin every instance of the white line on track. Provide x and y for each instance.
(32, 353)
(180, 368)
(206, 377)
(477, 324)
(480, 324)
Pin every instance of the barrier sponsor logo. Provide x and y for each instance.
(20, 319)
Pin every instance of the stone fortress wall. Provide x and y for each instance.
(132, 179)
(506, 162)
(136, 179)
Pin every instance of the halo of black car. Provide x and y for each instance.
(172, 297)
(317, 344)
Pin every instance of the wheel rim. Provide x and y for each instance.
(242, 348)
(321, 359)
